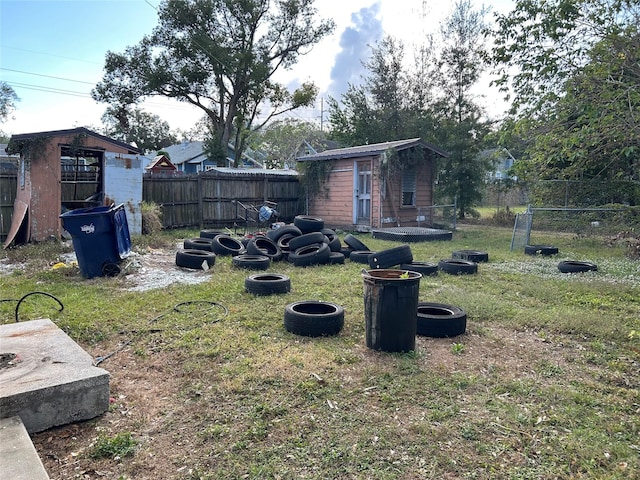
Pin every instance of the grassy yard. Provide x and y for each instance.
(544, 384)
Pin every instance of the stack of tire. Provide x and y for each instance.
(196, 254)
(306, 242)
(400, 257)
(463, 262)
(355, 250)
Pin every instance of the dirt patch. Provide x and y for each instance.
(151, 397)
(156, 268)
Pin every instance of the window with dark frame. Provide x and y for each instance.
(409, 187)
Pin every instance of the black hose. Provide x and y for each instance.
(209, 305)
(27, 295)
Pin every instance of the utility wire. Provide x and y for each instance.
(50, 55)
(46, 76)
(49, 89)
(72, 93)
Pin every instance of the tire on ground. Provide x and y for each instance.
(264, 246)
(211, 233)
(336, 258)
(305, 239)
(316, 254)
(202, 243)
(476, 256)
(251, 262)
(312, 318)
(454, 266)
(425, 268)
(574, 266)
(226, 245)
(334, 242)
(276, 234)
(346, 251)
(540, 250)
(391, 257)
(308, 224)
(360, 256)
(267, 283)
(195, 259)
(283, 242)
(354, 243)
(440, 320)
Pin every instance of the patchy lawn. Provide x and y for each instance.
(544, 383)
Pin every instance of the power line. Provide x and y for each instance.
(50, 55)
(46, 76)
(151, 5)
(40, 88)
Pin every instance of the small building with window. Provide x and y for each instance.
(70, 169)
(381, 185)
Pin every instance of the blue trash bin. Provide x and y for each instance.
(100, 238)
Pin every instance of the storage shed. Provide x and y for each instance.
(67, 169)
(373, 186)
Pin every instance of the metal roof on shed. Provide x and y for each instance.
(369, 150)
(18, 138)
(254, 171)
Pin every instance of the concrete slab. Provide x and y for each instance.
(46, 378)
(18, 457)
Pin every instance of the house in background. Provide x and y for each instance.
(190, 157)
(374, 186)
(161, 165)
(502, 161)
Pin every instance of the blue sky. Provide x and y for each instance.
(52, 53)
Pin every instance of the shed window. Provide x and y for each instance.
(409, 187)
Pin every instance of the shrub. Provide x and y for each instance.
(151, 218)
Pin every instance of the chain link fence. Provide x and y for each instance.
(602, 221)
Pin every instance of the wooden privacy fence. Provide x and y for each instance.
(200, 200)
(8, 184)
(209, 199)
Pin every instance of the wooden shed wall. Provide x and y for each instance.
(44, 171)
(45, 174)
(335, 204)
(393, 213)
(8, 185)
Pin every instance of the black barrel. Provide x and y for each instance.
(390, 309)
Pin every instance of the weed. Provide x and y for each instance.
(457, 348)
(116, 447)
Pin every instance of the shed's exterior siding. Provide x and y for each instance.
(335, 204)
(44, 172)
(407, 216)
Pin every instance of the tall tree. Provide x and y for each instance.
(148, 131)
(8, 99)
(459, 114)
(573, 69)
(283, 140)
(387, 84)
(540, 44)
(220, 56)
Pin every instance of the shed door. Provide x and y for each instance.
(362, 193)
(123, 184)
